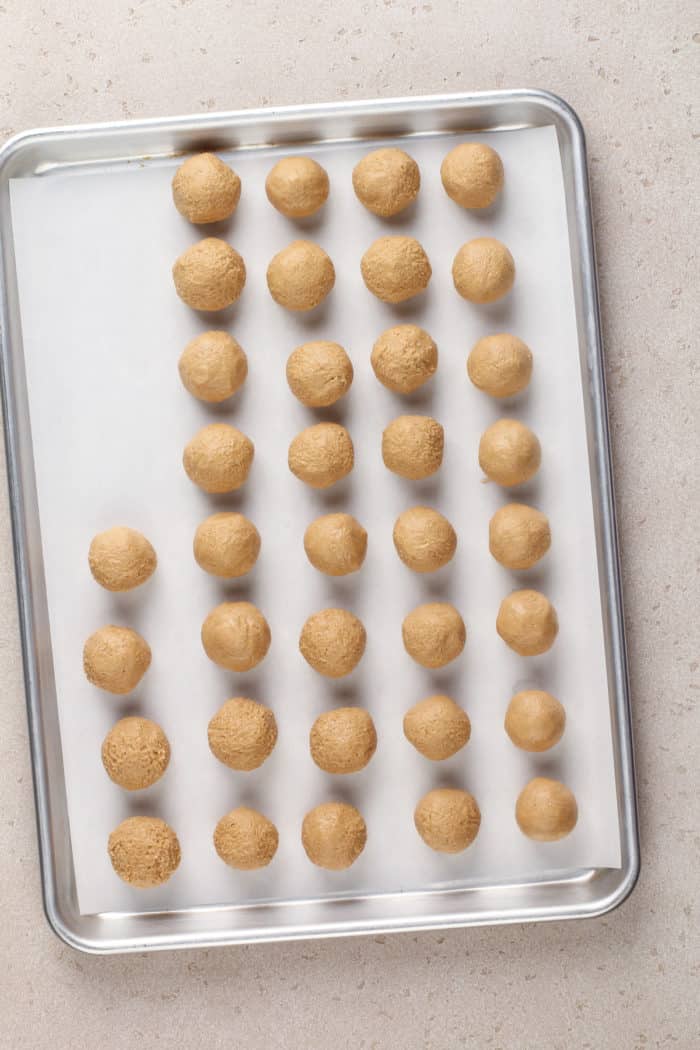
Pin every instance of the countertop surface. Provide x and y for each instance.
(629, 980)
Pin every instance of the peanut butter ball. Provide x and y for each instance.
(335, 544)
(319, 373)
(404, 358)
(500, 365)
(144, 851)
(245, 839)
(546, 810)
(333, 835)
(412, 446)
(300, 276)
(396, 268)
(205, 189)
(447, 819)
(535, 720)
(472, 174)
(297, 186)
(210, 275)
(121, 559)
(226, 545)
(519, 536)
(437, 727)
(386, 181)
(218, 458)
(116, 659)
(424, 539)
(333, 642)
(483, 270)
(135, 753)
(236, 635)
(434, 634)
(213, 366)
(321, 455)
(343, 740)
(242, 734)
(509, 453)
(527, 622)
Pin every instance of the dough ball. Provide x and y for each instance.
(509, 452)
(144, 851)
(319, 373)
(396, 268)
(447, 819)
(300, 276)
(242, 734)
(210, 275)
(135, 753)
(205, 189)
(245, 839)
(472, 174)
(500, 365)
(483, 270)
(412, 446)
(386, 181)
(535, 720)
(343, 740)
(424, 539)
(213, 366)
(434, 634)
(333, 835)
(333, 642)
(236, 635)
(527, 622)
(546, 810)
(121, 559)
(218, 458)
(404, 358)
(335, 544)
(321, 455)
(116, 659)
(519, 536)
(226, 545)
(297, 186)
(437, 727)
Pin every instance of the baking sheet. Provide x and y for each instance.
(102, 331)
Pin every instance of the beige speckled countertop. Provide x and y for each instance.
(630, 69)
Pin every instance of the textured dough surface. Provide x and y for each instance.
(226, 545)
(242, 733)
(336, 544)
(333, 641)
(116, 659)
(343, 740)
(483, 270)
(500, 365)
(213, 366)
(210, 275)
(386, 181)
(121, 558)
(447, 819)
(396, 268)
(321, 455)
(413, 446)
(519, 536)
(297, 186)
(218, 458)
(546, 810)
(509, 452)
(144, 851)
(535, 720)
(205, 189)
(236, 635)
(319, 373)
(333, 835)
(135, 753)
(527, 622)
(472, 174)
(424, 539)
(245, 839)
(437, 727)
(300, 276)
(434, 634)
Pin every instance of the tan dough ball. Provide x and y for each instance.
(218, 458)
(535, 720)
(205, 189)
(245, 839)
(333, 642)
(213, 366)
(333, 835)
(343, 740)
(121, 559)
(386, 181)
(483, 270)
(210, 275)
(472, 174)
(434, 634)
(412, 446)
(116, 659)
(135, 753)
(297, 186)
(336, 544)
(546, 810)
(447, 819)
(226, 545)
(509, 453)
(396, 268)
(500, 365)
(242, 734)
(437, 727)
(404, 358)
(236, 635)
(527, 622)
(321, 455)
(300, 276)
(144, 851)
(424, 539)
(319, 373)
(519, 536)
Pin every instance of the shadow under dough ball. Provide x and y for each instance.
(321, 455)
(509, 453)
(226, 545)
(297, 186)
(218, 458)
(116, 659)
(333, 835)
(135, 753)
(437, 727)
(245, 839)
(121, 559)
(424, 539)
(535, 720)
(300, 276)
(412, 446)
(205, 189)
(483, 270)
(242, 734)
(336, 544)
(236, 635)
(434, 634)
(519, 536)
(386, 181)
(527, 623)
(500, 365)
(213, 366)
(333, 642)
(396, 268)
(472, 174)
(546, 810)
(447, 819)
(319, 373)
(144, 851)
(343, 740)
(404, 358)
(210, 275)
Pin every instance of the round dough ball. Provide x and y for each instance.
(412, 446)
(509, 453)
(333, 642)
(396, 268)
(386, 181)
(144, 851)
(297, 186)
(135, 753)
(519, 536)
(343, 741)
(321, 455)
(500, 365)
(546, 810)
(404, 358)
(472, 174)
(527, 622)
(245, 839)
(121, 559)
(335, 544)
(434, 634)
(226, 545)
(333, 835)
(437, 727)
(236, 635)
(116, 659)
(483, 270)
(242, 734)
(210, 275)
(424, 539)
(300, 276)
(213, 366)
(205, 189)
(535, 720)
(319, 373)
(218, 458)
(447, 819)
